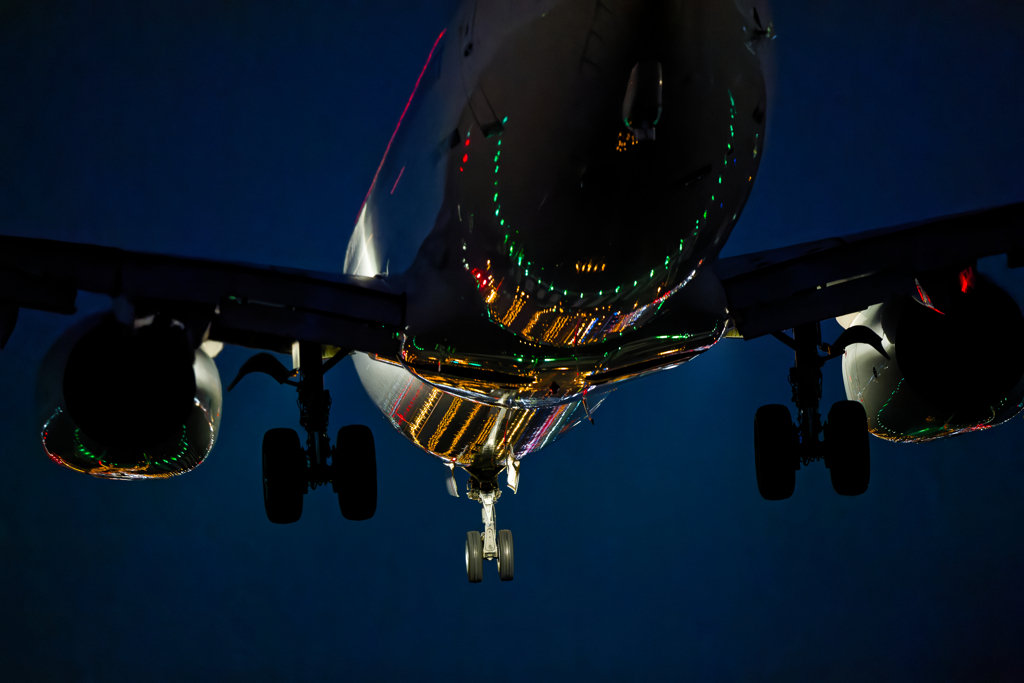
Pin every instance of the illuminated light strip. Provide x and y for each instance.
(404, 417)
(400, 118)
(593, 322)
(878, 416)
(534, 319)
(513, 437)
(544, 428)
(465, 425)
(564, 423)
(553, 423)
(608, 322)
(405, 391)
(53, 456)
(445, 421)
(513, 311)
(393, 187)
(550, 335)
(424, 413)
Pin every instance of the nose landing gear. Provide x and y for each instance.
(781, 447)
(493, 544)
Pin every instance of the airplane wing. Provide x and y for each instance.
(259, 307)
(775, 290)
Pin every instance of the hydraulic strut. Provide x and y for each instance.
(483, 488)
(805, 376)
(314, 411)
(805, 381)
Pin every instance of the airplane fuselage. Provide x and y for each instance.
(560, 181)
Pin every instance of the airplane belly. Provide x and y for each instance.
(459, 430)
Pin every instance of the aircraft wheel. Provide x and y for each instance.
(284, 476)
(354, 472)
(474, 557)
(775, 459)
(848, 447)
(506, 562)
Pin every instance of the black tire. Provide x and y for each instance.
(848, 448)
(284, 476)
(775, 457)
(354, 472)
(474, 557)
(506, 561)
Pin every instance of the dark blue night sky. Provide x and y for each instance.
(250, 131)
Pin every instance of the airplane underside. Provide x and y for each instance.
(545, 224)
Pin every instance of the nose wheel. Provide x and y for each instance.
(506, 561)
(474, 557)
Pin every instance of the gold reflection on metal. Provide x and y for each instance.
(480, 424)
(561, 323)
(423, 414)
(518, 301)
(520, 424)
(445, 421)
(466, 457)
(533, 321)
(555, 328)
(457, 439)
(487, 430)
(67, 445)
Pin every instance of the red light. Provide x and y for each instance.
(467, 143)
(967, 279)
(465, 158)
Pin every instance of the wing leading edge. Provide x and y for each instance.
(260, 307)
(778, 289)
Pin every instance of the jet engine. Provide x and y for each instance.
(955, 363)
(128, 401)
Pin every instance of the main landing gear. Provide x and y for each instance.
(493, 544)
(289, 471)
(781, 447)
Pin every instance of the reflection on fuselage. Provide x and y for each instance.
(458, 429)
(548, 247)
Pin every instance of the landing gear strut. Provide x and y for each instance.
(289, 471)
(781, 447)
(493, 544)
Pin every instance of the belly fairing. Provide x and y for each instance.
(459, 430)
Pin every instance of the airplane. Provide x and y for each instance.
(493, 295)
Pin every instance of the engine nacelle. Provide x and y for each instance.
(948, 372)
(128, 402)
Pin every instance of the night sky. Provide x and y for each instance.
(249, 131)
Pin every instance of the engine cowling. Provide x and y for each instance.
(128, 402)
(955, 365)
